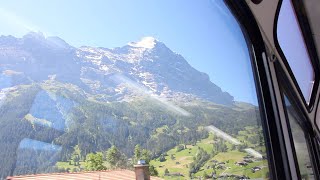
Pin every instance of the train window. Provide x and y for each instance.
(300, 142)
(293, 46)
(181, 96)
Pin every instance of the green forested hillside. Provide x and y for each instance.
(71, 117)
(210, 157)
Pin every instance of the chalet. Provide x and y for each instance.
(255, 169)
(248, 160)
(241, 163)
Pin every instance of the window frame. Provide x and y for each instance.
(269, 109)
(303, 22)
(305, 109)
(307, 136)
(268, 89)
(305, 124)
(278, 162)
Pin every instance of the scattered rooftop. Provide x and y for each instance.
(92, 175)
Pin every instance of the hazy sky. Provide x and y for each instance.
(204, 32)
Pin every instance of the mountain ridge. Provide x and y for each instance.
(149, 63)
(94, 98)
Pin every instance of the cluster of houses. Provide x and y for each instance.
(241, 163)
(255, 169)
(222, 165)
(217, 165)
(246, 160)
(249, 159)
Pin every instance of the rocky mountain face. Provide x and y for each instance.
(147, 67)
(54, 97)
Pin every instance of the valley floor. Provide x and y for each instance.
(176, 162)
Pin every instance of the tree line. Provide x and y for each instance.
(112, 158)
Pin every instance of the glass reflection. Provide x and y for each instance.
(36, 157)
(292, 44)
(300, 143)
(169, 98)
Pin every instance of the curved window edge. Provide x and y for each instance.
(298, 8)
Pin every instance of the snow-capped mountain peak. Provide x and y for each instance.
(146, 42)
(148, 62)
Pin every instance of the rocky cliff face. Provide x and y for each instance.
(147, 66)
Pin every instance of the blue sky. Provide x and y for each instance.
(204, 32)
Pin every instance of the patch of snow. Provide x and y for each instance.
(97, 57)
(120, 89)
(104, 68)
(145, 75)
(135, 53)
(146, 42)
(150, 85)
(52, 76)
(89, 49)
